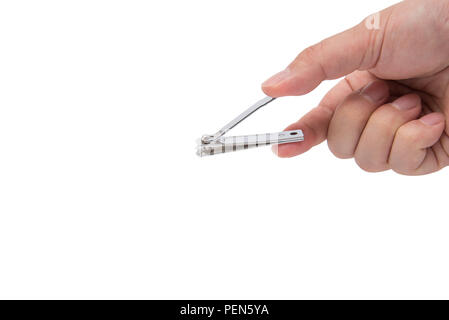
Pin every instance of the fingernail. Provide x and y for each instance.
(277, 78)
(431, 119)
(406, 102)
(376, 91)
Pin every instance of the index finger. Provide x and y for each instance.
(316, 122)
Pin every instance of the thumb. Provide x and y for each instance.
(358, 48)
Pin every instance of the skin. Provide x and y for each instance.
(391, 110)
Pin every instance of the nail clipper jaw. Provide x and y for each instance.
(205, 149)
(206, 139)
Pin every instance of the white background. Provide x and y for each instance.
(102, 195)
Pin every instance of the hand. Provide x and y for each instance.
(391, 111)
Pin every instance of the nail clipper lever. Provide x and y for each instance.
(217, 143)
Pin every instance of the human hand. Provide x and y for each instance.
(391, 111)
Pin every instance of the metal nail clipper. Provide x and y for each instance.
(218, 143)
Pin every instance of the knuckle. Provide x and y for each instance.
(404, 172)
(337, 151)
(408, 166)
(355, 104)
(313, 55)
(350, 109)
(306, 57)
(374, 44)
(382, 120)
(387, 115)
(409, 136)
(370, 166)
(386, 112)
(342, 155)
(312, 52)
